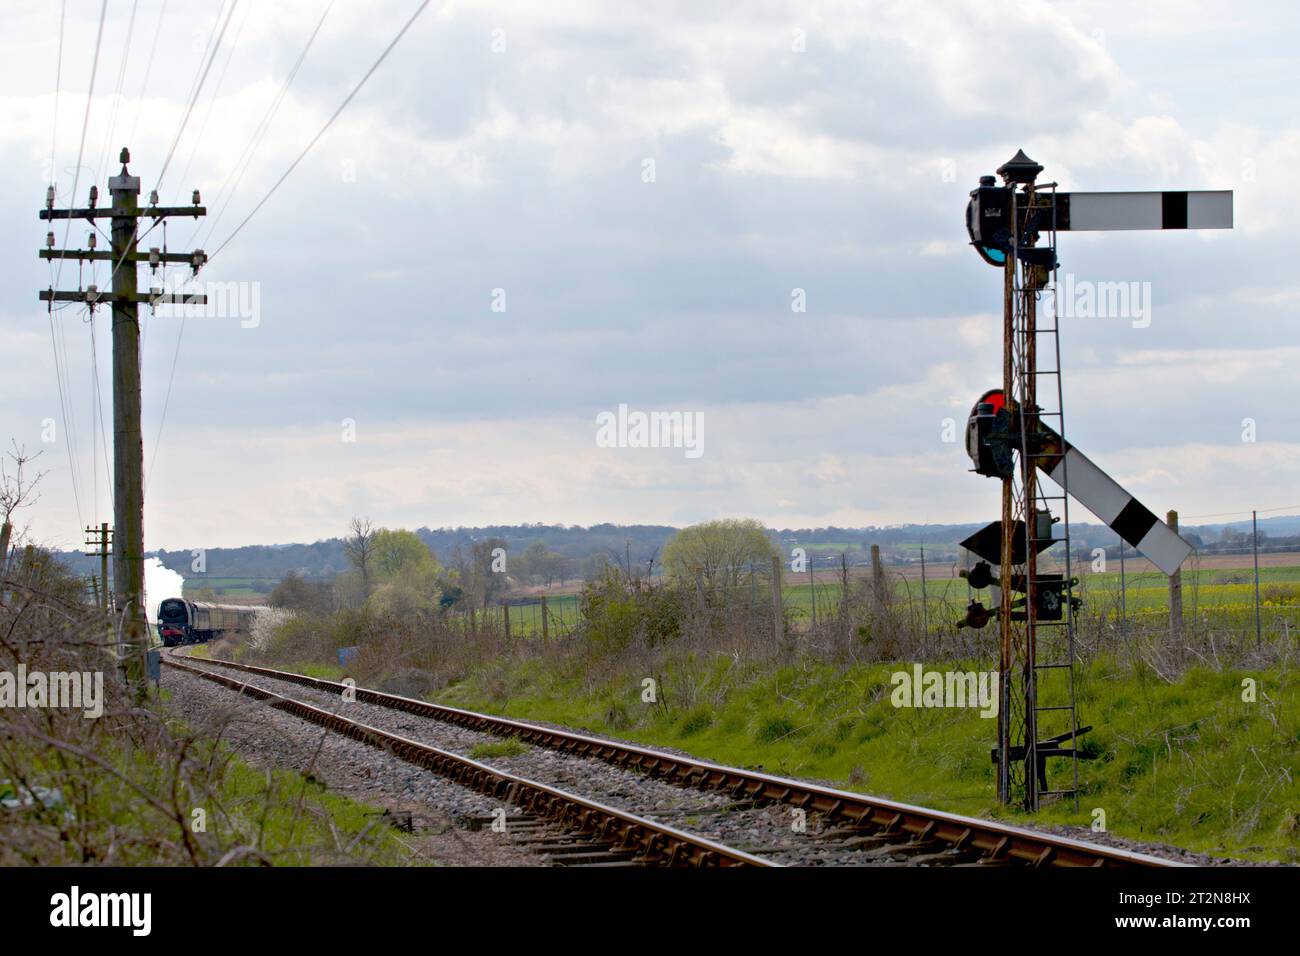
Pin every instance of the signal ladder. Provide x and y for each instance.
(1050, 701)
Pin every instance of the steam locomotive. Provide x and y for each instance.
(192, 622)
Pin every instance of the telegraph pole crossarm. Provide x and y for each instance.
(180, 258)
(94, 297)
(149, 212)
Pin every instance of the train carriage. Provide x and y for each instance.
(193, 622)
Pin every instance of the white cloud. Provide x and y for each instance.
(827, 170)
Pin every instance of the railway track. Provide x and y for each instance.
(843, 828)
(618, 837)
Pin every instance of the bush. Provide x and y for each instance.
(615, 612)
(121, 788)
(700, 718)
(771, 729)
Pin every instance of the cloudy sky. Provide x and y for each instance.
(644, 187)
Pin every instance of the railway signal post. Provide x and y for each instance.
(128, 448)
(1019, 430)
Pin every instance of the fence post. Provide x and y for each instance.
(1123, 592)
(505, 616)
(546, 624)
(877, 577)
(778, 618)
(1254, 535)
(812, 592)
(1175, 589)
(925, 610)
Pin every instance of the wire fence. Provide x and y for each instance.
(903, 602)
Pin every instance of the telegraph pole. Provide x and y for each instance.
(128, 444)
(128, 447)
(99, 538)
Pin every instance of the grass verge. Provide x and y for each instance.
(1189, 763)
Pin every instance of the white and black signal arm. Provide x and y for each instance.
(989, 212)
(993, 431)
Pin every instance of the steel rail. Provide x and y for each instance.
(988, 839)
(655, 843)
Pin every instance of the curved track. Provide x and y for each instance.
(923, 834)
(625, 835)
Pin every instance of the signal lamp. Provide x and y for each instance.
(988, 221)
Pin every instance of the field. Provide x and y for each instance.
(229, 590)
(1220, 588)
(562, 609)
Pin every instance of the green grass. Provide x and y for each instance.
(1229, 593)
(526, 619)
(504, 748)
(323, 671)
(228, 589)
(327, 822)
(279, 816)
(1223, 596)
(1188, 764)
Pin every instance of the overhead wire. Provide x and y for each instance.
(58, 85)
(60, 355)
(262, 202)
(117, 95)
(1229, 514)
(196, 90)
(216, 92)
(237, 171)
(236, 174)
(328, 123)
(97, 399)
(144, 85)
(247, 152)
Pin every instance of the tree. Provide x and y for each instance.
(349, 589)
(16, 491)
(479, 578)
(594, 566)
(297, 594)
(720, 552)
(451, 594)
(292, 592)
(558, 567)
(359, 546)
(533, 561)
(405, 573)
(394, 553)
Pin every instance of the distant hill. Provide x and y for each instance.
(263, 565)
